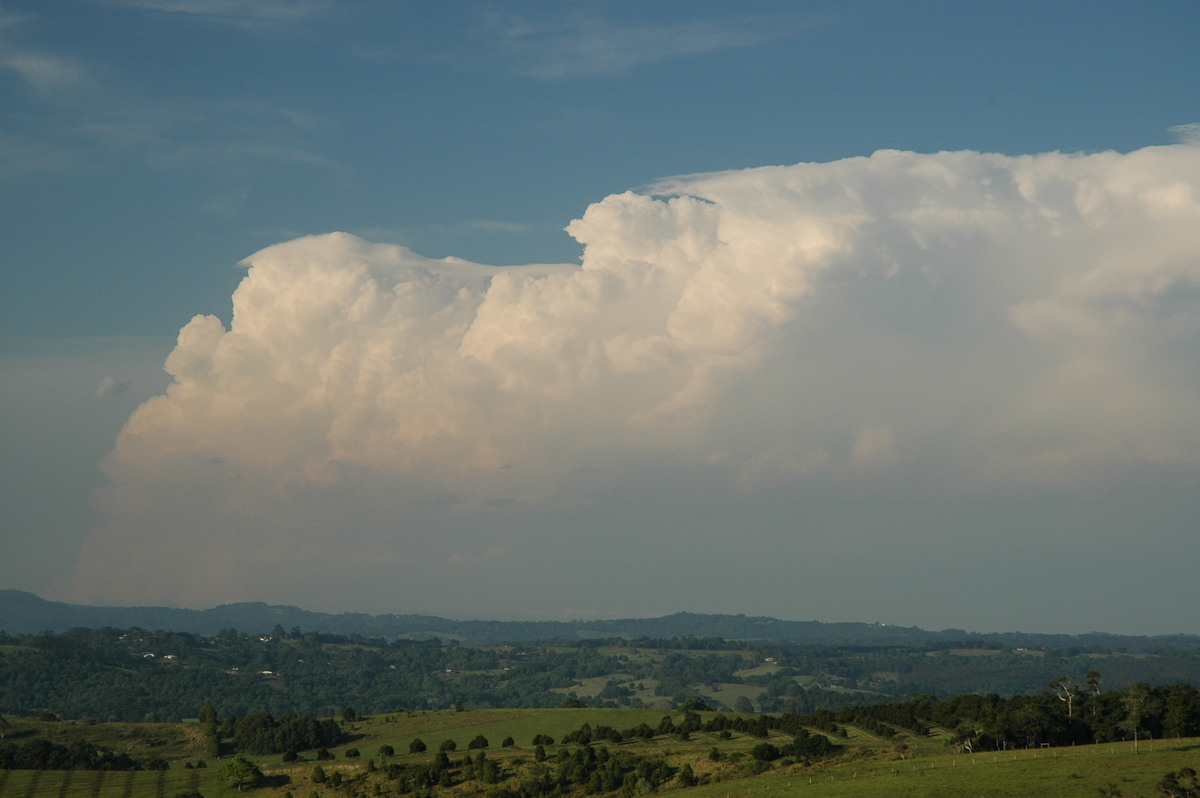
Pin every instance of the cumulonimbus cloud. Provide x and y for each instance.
(957, 317)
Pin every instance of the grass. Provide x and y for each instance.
(1063, 773)
(522, 725)
(870, 767)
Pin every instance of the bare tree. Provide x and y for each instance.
(1064, 690)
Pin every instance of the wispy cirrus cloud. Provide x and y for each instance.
(237, 12)
(79, 113)
(586, 43)
(76, 116)
(46, 73)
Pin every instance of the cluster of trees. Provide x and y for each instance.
(260, 733)
(804, 746)
(596, 770)
(41, 754)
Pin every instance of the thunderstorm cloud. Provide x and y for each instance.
(742, 374)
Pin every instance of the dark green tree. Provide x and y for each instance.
(765, 752)
(417, 746)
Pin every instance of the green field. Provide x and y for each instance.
(867, 766)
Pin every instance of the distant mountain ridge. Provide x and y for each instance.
(22, 612)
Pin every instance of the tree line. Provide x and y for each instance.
(1067, 712)
(39, 753)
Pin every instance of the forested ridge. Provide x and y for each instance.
(25, 613)
(140, 675)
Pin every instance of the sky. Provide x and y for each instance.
(546, 310)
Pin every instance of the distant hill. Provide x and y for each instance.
(25, 613)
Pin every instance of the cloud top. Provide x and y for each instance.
(990, 323)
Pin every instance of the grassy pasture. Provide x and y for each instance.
(140, 740)
(869, 767)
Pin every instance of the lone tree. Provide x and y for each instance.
(417, 746)
(241, 773)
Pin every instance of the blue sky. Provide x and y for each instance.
(147, 147)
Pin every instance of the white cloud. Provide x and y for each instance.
(963, 321)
